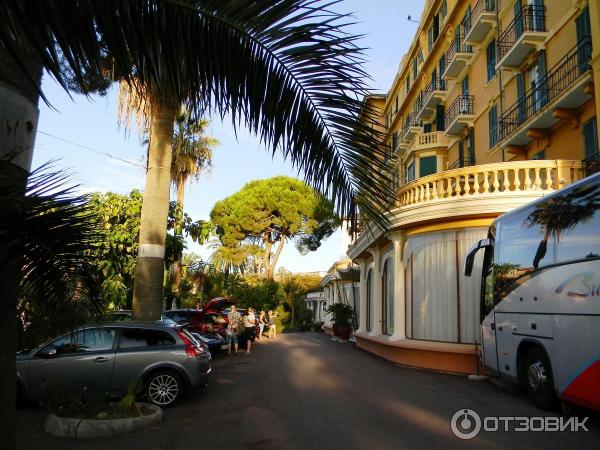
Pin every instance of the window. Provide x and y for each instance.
(394, 141)
(493, 126)
(440, 124)
(370, 295)
(471, 147)
(430, 39)
(590, 138)
(560, 229)
(88, 340)
(396, 106)
(465, 85)
(490, 53)
(539, 155)
(407, 83)
(444, 9)
(427, 128)
(436, 27)
(415, 68)
(387, 304)
(141, 338)
(584, 32)
(410, 172)
(427, 165)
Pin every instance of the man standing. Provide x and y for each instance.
(234, 320)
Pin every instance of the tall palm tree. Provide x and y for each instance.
(192, 155)
(192, 151)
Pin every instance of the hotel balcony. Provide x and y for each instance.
(557, 96)
(426, 141)
(433, 95)
(462, 162)
(411, 128)
(482, 20)
(457, 57)
(525, 33)
(459, 115)
(507, 179)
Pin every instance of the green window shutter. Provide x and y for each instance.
(518, 10)
(461, 151)
(543, 85)
(590, 137)
(465, 85)
(584, 32)
(490, 53)
(442, 69)
(427, 166)
(444, 8)
(439, 118)
(471, 147)
(493, 126)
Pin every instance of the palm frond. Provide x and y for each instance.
(289, 70)
(50, 232)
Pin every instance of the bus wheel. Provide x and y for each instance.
(540, 383)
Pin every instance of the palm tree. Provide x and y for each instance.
(192, 151)
(45, 236)
(192, 154)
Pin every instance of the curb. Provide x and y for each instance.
(92, 428)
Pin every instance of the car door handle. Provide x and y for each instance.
(100, 359)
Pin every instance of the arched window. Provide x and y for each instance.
(370, 303)
(387, 304)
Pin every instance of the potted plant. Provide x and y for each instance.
(342, 319)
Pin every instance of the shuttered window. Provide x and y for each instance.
(493, 126)
(490, 53)
(590, 137)
(427, 166)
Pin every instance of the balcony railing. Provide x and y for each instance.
(591, 164)
(426, 101)
(458, 46)
(480, 9)
(508, 178)
(463, 105)
(461, 162)
(531, 18)
(411, 121)
(557, 80)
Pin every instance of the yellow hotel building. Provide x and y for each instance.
(493, 106)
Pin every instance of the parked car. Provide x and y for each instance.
(120, 315)
(214, 341)
(108, 357)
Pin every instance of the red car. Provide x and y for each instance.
(211, 318)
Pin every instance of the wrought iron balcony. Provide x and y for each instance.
(563, 88)
(456, 57)
(411, 127)
(462, 162)
(459, 115)
(433, 94)
(591, 165)
(526, 32)
(481, 21)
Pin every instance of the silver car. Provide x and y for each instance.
(109, 357)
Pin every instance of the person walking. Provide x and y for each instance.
(272, 328)
(249, 329)
(234, 322)
(262, 321)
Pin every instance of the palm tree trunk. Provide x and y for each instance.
(19, 117)
(180, 194)
(149, 272)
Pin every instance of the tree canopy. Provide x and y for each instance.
(270, 212)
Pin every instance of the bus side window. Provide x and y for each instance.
(488, 292)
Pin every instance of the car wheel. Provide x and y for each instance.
(539, 379)
(164, 388)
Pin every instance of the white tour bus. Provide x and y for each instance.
(540, 296)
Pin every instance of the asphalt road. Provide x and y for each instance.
(305, 391)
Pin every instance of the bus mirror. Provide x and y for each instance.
(470, 259)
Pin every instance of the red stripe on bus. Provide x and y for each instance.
(585, 389)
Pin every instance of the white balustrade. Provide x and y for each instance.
(489, 179)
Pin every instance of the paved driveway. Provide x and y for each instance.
(304, 391)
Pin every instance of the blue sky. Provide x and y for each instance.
(92, 123)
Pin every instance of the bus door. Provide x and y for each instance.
(488, 323)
